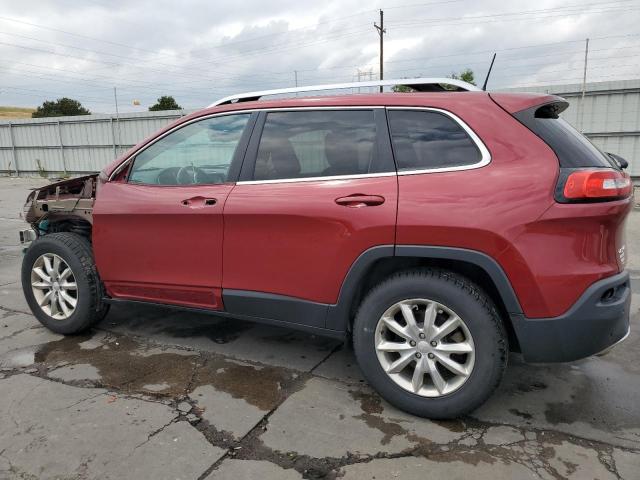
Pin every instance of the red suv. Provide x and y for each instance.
(438, 229)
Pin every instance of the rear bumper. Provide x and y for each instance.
(596, 322)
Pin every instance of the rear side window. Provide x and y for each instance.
(426, 139)
(573, 149)
(321, 143)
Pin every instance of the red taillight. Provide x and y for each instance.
(597, 184)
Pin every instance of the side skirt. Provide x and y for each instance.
(320, 331)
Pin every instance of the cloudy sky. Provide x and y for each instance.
(200, 50)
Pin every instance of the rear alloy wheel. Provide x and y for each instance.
(424, 347)
(430, 342)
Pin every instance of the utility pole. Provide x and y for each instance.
(381, 31)
(584, 84)
(115, 97)
(295, 73)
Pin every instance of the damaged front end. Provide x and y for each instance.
(61, 206)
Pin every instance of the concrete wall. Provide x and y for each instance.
(74, 145)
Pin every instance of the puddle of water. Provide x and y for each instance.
(125, 364)
(371, 406)
(263, 387)
(119, 366)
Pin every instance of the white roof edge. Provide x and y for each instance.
(340, 86)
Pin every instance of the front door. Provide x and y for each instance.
(319, 189)
(157, 232)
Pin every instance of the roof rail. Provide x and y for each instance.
(419, 84)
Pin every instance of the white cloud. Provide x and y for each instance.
(198, 50)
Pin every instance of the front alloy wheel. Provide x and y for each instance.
(61, 283)
(54, 286)
(424, 347)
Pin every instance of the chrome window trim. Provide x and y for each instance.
(485, 155)
(130, 158)
(318, 179)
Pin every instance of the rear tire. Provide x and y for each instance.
(394, 363)
(61, 284)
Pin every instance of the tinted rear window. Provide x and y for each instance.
(573, 149)
(425, 139)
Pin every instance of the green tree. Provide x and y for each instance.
(401, 89)
(466, 76)
(165, 102)
(62, 107)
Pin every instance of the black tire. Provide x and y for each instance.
(76, 251)
(478, 313)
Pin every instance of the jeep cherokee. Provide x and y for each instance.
(437, 229)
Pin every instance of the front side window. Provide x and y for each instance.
(197, 154)
(426, 139)
(305, 144)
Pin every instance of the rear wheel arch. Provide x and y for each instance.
(378, 263)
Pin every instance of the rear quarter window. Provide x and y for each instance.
(427, 140)
(573, 149)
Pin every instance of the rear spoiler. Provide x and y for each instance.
(516, 102)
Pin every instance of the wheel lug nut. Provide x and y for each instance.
(421, 335)
(434, 344)
(431, 355)
(412, 343)
(418, 355)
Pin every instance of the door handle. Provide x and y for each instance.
(198, 202)
(359, 200)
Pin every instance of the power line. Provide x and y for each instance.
(409, 26)
(570, 8)
(273, 49)
(201, 79)
(221, 44)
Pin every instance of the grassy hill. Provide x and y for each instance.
(7, 113)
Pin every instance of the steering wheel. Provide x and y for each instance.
(189, 175)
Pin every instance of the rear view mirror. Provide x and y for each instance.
(622, 163)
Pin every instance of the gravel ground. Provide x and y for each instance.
(155, 393)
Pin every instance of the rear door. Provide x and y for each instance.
(317, 189)
(157, 232)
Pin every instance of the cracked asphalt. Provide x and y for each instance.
(160, 394)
